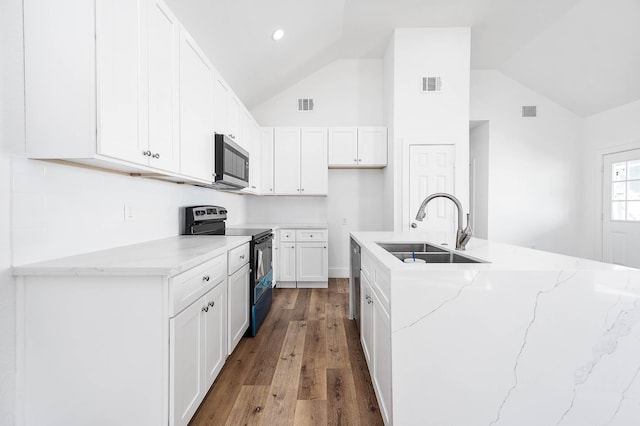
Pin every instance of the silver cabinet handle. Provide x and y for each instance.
(156, 155)
(212, 303)
(302, 190)
(146, 153)
(368, 299)
(205, 309)
(359, 160)
(414, 225)
(355, 160)
(242, 257)
(325, 246)
(205, 278)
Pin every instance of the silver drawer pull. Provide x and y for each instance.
(205, 309)
(212, 303)
(206, 278)
(242, 257)
(156, 155)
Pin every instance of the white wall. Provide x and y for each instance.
(50, 210)
(479, 179)
(617, 129)
(347, 92)
(536, 166)
(441, 118)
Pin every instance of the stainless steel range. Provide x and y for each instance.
(210, 220)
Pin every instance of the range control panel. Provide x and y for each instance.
(200, 213)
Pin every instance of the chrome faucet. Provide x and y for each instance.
(462, 235)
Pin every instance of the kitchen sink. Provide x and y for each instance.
(426, 253)
(411, 247)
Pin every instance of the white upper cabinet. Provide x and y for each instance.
(266, 161)
(221, 109)
(196, 110)
(372, 146)
(123, 87)
(251, 142)
(314, 177)
(121, 65)
(164, 126)
(357, 147)
(300, 161)
(286, 150)
(343, 146)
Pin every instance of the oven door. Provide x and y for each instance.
(262, 275)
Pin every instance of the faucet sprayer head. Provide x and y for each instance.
(421, 214)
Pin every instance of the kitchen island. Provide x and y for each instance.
(526, 338)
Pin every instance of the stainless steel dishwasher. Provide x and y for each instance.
(354, 283)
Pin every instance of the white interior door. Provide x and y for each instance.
(621, 208)
(431, 169)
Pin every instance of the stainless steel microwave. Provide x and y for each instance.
(231, 164)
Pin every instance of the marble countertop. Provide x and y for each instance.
(275, 226)
(498, 256)
(165, 257)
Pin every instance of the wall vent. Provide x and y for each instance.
(305, 104)
(431, 84)
(529, 111)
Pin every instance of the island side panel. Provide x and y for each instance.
(93, 350)
(516, 347)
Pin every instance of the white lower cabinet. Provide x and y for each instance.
(375, 336)
(303, 258)
(152, 362)
(238, 294)
(238, 306)
(197, 352)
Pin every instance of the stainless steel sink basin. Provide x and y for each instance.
(411, 247)
(426, 252)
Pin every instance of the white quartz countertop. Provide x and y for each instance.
(498, 256)
(166, 257)
(275, 226)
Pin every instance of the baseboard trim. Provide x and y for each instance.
(339, 272)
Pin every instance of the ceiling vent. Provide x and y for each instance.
(431, 84)
(305, 104)
(529, 111)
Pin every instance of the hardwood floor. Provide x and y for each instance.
(305, 367)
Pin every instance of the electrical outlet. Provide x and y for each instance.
(344, 220)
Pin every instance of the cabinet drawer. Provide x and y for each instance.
(287, 235)
(186, 287)
(238, 257)
(311, 235)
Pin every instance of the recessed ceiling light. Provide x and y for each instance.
(277, 34)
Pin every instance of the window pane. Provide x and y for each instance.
(618, 210)
(633, 210)
(619, 191)
(634, 169)
(633, 190)
(619, 171)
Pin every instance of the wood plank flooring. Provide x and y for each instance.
(305, 367)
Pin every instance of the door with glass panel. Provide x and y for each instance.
(621, 208)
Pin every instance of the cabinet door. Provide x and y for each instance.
(287, 261)
(312, 262)
(221, 108)
(343, 146)
(196, 111)
(121, 77)
(164, 131)
(314, 173)
(366, 318)
(381, 374)
(286, 147)
(238, 306)
(266, 161)
(185, 363)
(372, 146)
(234, 120)
(215, 333)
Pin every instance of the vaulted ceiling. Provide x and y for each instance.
(582, 54)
